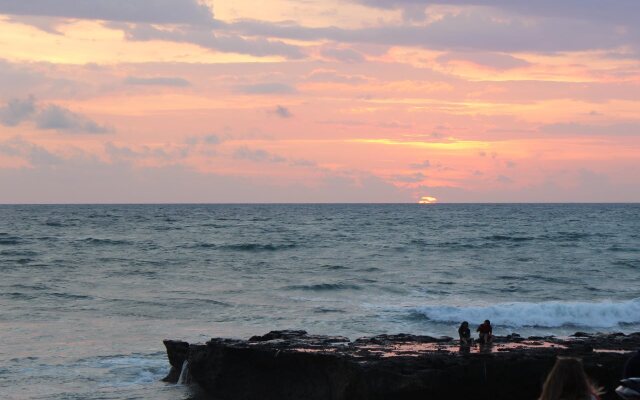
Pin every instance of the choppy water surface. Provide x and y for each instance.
(88, 292)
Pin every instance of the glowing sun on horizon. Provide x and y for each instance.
(427, 200)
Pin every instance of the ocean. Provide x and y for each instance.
(88, 292)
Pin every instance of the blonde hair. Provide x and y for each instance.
(568, 381)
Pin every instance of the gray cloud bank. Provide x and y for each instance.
(157, 81)
(540, 26)
(613, 11)
(476, 30)
(151, 11)
(86, 179)
(48, 117)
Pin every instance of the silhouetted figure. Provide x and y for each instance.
(632, 367)
(465, 334)
(486, 332)
(568, 381)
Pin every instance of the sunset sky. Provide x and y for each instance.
(107, 101)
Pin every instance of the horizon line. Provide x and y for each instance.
(325, 203)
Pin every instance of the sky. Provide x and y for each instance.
(172, 101)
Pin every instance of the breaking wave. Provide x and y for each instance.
(551, 314)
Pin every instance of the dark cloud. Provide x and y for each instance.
(212, 139)
(422, 165)
(157, 81)
(490, 25)
(51, 116)
(44, 23)
(611, 11)
(342, 54)
(476, 30)
(36, 155)
(219, 40)
(258, 155)
(150, 11)
(17, 111)
(282, 112)
(128, 153)
(267, 88)
(45, 79)
(414, 13)
(121, 152)
(303, 163)
(193, 22)
(263, 156)
(64, 120)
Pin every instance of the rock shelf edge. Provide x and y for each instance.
(293, 365)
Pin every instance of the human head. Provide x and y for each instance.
(567, 380)
(464, 323)
(487, 322)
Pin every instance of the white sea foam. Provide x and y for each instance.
(604, 314)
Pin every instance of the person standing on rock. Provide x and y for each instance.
(568, 381)
(486, 332)
(465, 334)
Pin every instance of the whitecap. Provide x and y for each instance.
(550, 314)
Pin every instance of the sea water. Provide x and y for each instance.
(88, 292)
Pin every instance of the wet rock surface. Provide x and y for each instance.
(283, 365)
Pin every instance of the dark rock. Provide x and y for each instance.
(283, 365)
(178, 352)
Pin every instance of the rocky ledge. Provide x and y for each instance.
(293, 365)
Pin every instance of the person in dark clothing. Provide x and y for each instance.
(486, 332)
(632, 367)
(465, 334)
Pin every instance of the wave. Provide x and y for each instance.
(70, 296)
(55, 224)
(551, 314)
(124, 370)
(9, 240)
(627, 263)
(325, 287)
(18, 253)
(109, 242)
(510, 238)
(334, 267)
(248, 247)
(616, 247)
(258, 247)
